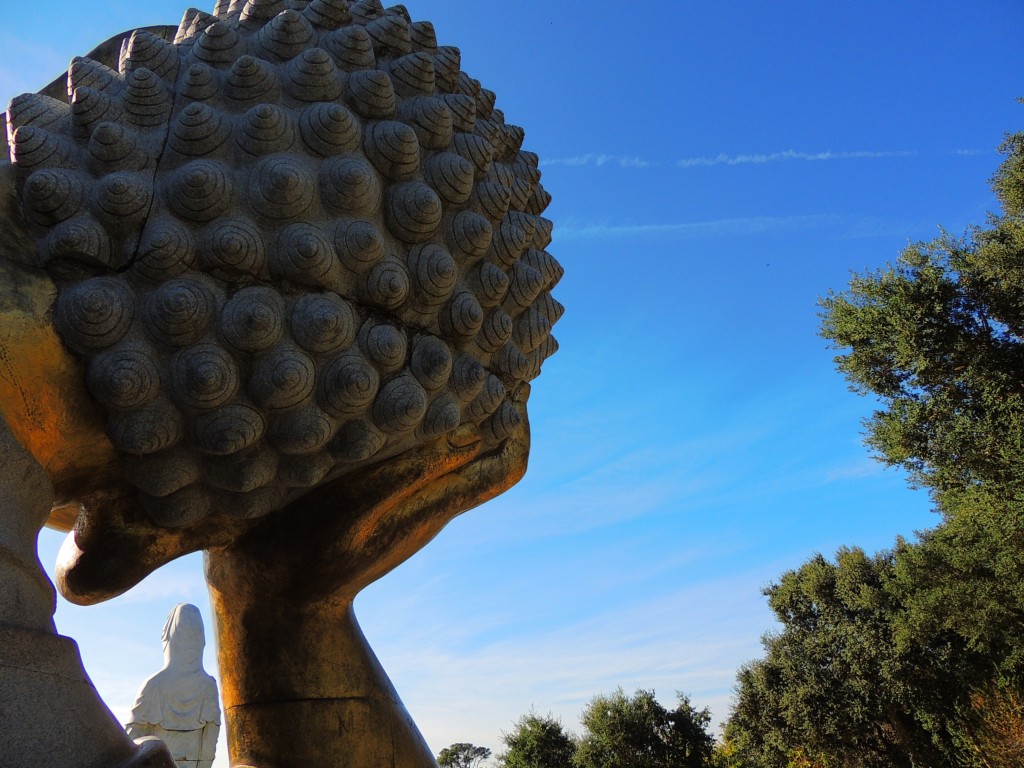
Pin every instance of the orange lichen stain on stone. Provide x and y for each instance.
(42, 397)
(40, 394)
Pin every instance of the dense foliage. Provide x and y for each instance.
(837, 682)
(537, 742)
(915, 656)
(910, 657)
(637, 732)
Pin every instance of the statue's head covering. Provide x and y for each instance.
(290, 239)
(183, 637)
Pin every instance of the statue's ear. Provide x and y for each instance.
(108, 54)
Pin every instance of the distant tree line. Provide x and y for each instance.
(619, 731)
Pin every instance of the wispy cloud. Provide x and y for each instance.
(749, 225)
(597, 160)
(623, 161)
(970, 152)
(789, 154)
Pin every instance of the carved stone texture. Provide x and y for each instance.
(258, 227)
(179, 704)
(296, 261)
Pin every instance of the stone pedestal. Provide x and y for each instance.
(50, 714)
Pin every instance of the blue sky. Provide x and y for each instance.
(715, 168)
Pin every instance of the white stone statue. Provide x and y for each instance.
(179, 704)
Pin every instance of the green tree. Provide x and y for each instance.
(537, 742)
(691, 744)
(915, 656)
(966, 577)
(965, 580)
(637, 732)
(837, 687)
(757, 731)
(912, 655)
(462, 755)
(728, 755)
(938, 337)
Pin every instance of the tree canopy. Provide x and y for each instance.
(915, 656)
(462, 755)
(637, 732)
(836, 684)
(939, 338)
(537, 742)
(908, 657)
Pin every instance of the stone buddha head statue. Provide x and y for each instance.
(259, 258)
(273, 285)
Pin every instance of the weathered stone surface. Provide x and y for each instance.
(257, 150)
(274, 285)
(301, 685)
